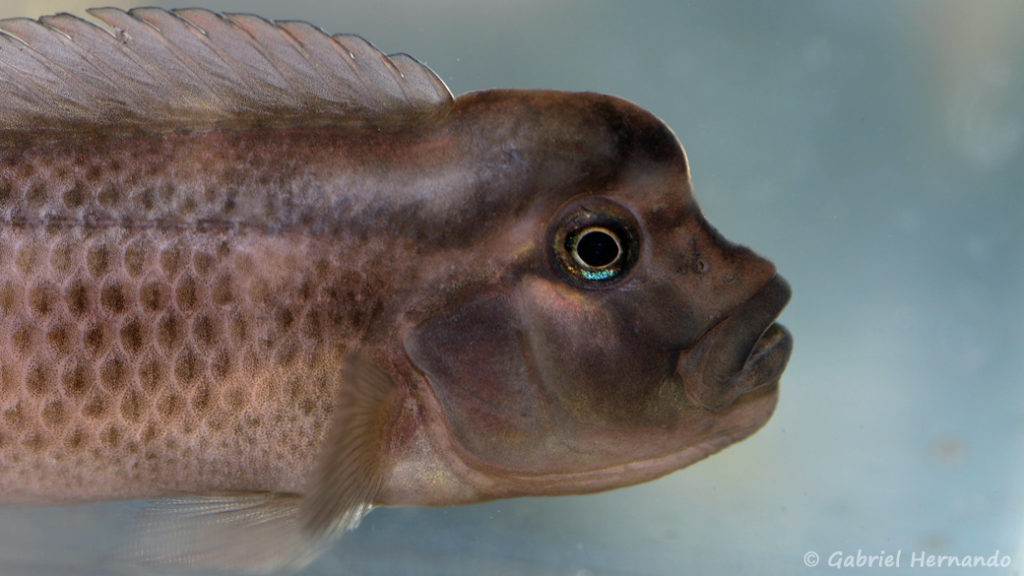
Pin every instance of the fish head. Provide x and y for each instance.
(611, 334)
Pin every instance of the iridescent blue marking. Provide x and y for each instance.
(599, 274)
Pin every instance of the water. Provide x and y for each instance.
(873, 150)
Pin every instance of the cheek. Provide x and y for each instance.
(567, 327)
(590, 360)
(561, 308)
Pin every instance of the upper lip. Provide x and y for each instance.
(743, 351)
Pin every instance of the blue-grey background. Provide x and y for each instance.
(875, 151)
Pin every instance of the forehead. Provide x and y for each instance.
(499, 156)
(561, 144)
(599, 126)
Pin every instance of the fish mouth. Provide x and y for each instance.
(743, 352)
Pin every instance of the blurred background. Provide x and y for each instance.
(875, 151)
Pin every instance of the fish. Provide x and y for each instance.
(271, 279)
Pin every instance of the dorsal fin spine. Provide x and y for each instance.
(195, 69)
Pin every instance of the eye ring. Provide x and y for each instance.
(594, 242)
(595, 248)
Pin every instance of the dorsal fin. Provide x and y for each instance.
(195, 69)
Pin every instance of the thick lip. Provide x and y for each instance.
(767, 359)
(744, 351)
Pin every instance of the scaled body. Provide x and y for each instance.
(293, 302)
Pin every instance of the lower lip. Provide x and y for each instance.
(772, 337)
(767, 358)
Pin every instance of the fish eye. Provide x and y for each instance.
(595, 243)
(595, 248)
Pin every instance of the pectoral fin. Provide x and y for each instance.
(353, 462)
(264, 533)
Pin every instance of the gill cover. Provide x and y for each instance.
(533, 374)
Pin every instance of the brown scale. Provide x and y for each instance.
(132, 330)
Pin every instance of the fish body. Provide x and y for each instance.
(265, 301)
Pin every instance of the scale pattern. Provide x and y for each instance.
(166, 347)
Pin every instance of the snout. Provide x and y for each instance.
(743, 352)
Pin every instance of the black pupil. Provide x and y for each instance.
(597, 248)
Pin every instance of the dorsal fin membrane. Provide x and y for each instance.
(194, 69)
